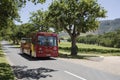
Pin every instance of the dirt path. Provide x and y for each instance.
(108, 64)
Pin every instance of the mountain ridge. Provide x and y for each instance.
(108, 26)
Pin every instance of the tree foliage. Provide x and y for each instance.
(16, 32)
(8, 13)
(75, 16)
(9, 10)
(111, 39)
(38, 19)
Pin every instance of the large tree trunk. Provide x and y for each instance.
(17, 42)
(73, 34)
(74, 48)
(13, 41)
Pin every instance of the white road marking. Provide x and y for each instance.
(75, 75)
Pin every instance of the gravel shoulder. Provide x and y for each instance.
(109, 64)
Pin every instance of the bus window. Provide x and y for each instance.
(47, 41)
(52, 41)
(41, 40)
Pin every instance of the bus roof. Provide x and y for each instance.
(46, 33)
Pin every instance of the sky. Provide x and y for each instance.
(112, 7)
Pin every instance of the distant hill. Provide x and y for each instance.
(105, 26)
(63, 34)
(108, 26)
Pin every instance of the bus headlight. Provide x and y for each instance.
(40, 49)
(55, 48)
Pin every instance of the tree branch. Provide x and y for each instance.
(68, 30)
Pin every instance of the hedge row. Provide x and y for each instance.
(91, 50)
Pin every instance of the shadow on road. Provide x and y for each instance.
(22, 72)
(28, 57)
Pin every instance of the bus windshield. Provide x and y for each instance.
(47, 40)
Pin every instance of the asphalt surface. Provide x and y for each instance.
(27, 68)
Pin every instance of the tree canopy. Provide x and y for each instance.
(9, 13)
(75, 16)
(38, 19)
(9, 10)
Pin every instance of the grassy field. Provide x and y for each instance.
(85, 49)
(80, 45)
(5, 69)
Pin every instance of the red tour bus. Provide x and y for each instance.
(40, 44)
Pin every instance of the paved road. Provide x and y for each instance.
(26, 68)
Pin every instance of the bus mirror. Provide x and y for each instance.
(23, 41)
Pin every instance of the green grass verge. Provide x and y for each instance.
(90, 50)
(5, 69)
(86, 46)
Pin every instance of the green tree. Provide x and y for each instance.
(26, 29)
(116, 39)
(20, 31)
(9, 10)
(6, 31)
(38, 19)
(75, 16)
(9, 13)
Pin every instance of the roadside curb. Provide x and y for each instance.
(97, 58)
